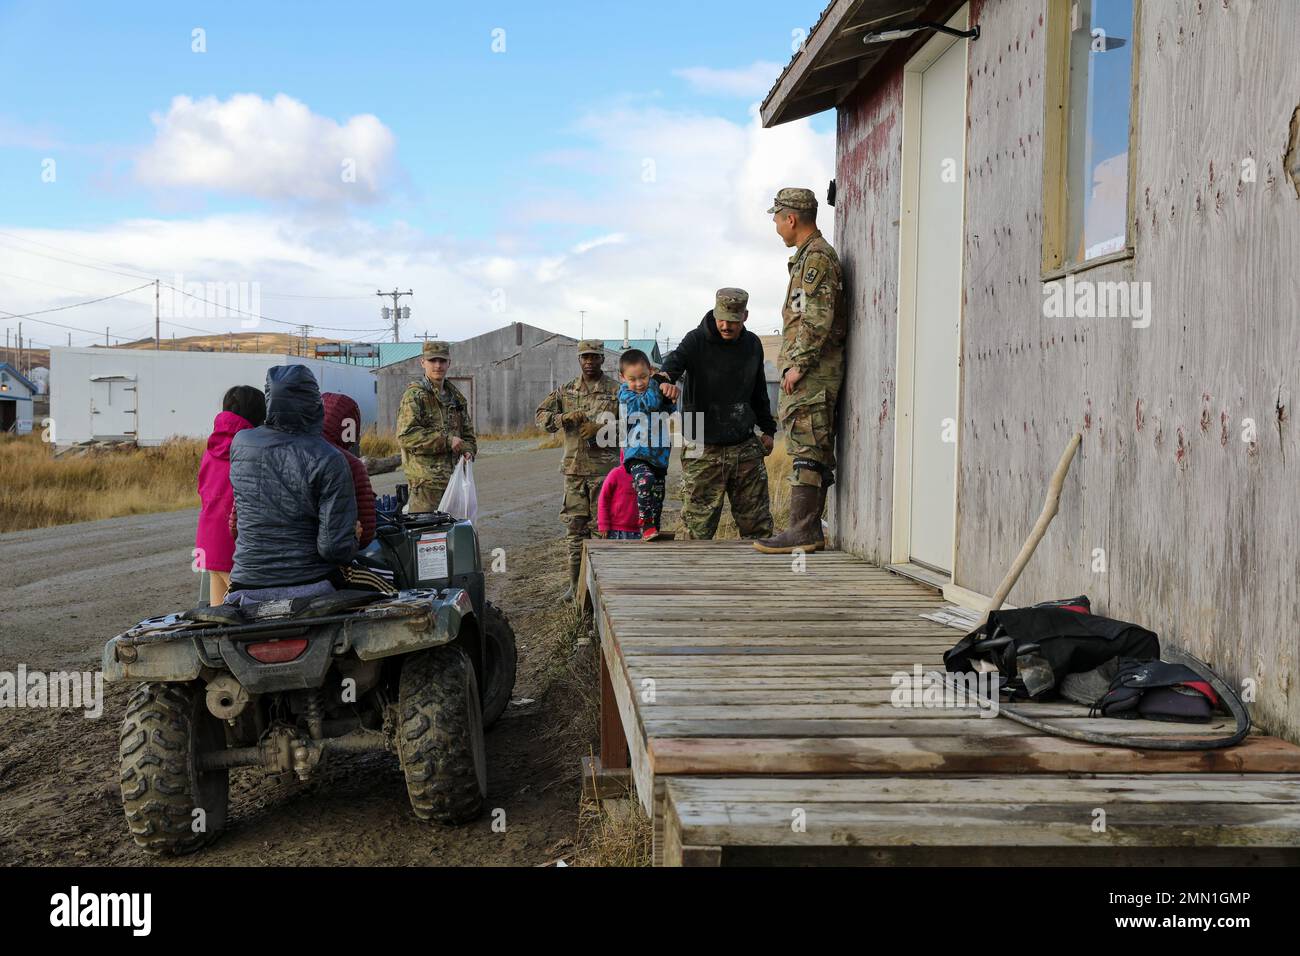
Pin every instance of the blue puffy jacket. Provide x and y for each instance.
(294, 499)
(648, 437)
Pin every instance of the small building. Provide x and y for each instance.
(1085, 219)
(504, 374)
(616, 347)
(149, 395)
(16, 395)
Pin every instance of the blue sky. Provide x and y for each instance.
(515, 160)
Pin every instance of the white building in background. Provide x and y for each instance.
(150, 396)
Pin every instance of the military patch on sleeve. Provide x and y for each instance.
(810, 276)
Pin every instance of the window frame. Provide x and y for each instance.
(1056, 146)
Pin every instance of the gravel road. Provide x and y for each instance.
(65, 590)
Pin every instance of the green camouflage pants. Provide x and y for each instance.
(736, 472)
(426, 491)
(808, 420)
(581, 493)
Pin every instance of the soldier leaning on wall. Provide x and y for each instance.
(813, 329)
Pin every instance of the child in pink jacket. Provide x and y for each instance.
(616, 513)
(214, 545)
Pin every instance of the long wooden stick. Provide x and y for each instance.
(1050, 507)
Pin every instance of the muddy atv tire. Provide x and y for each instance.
(502, 662)
(165, 729)
(440, 736)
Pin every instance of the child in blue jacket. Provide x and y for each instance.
(648, 440)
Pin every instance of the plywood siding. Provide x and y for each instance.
(867, 175)
(1200, 529)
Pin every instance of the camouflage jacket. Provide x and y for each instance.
(813, 320)
(426, 424)
(583, 455)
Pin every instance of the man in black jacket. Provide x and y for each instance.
(294, 500)
(726, 387)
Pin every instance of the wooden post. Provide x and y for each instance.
(1050, 507)
(613, 742)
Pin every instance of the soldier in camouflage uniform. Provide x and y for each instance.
(813, 329)
(434, 429)
(581, 408)
(722, 362)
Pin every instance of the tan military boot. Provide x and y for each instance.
(574, 568)
(805, 530)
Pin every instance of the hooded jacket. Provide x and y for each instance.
(343, 414)
(724, 381)
(297, 508)
(212, 540)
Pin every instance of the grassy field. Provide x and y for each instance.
(38, 490)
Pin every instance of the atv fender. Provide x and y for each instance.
(371, 641)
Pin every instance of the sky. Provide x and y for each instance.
(506, 161)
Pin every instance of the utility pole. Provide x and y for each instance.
(582, 322)
(20, 348)
(157, 322)
(397, 309)
(106, 336)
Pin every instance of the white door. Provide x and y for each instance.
(112, 407)
(937, 297)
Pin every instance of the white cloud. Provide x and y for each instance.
(674, 207)
(746, 81)
(271, 149)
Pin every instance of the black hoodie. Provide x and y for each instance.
(724, 380)
(294, 499)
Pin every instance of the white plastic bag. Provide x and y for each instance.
(460, 500)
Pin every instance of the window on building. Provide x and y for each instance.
(1089, 120)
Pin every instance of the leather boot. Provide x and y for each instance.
(805, 530)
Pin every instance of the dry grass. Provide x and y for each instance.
(375, 445)
(613, 833)
(39, 491)
(553, 440)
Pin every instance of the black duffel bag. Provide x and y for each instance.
(1034, 648)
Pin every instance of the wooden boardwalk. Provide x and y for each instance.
(751, 698)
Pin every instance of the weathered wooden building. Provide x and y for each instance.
(504, 374)
(1086, 218)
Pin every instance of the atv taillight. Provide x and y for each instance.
(276, 652)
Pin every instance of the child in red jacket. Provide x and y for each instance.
(616, 512)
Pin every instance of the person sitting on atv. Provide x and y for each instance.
(295, 503)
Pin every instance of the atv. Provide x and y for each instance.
(283, 685)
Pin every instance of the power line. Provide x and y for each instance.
(75, 305)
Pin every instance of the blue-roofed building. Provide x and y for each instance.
(16, 392)
(369, 354)
(650, 347)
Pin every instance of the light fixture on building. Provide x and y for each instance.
(904, 30)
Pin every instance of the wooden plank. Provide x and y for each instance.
(940, 727)
(970, 754)
(988, 824)
(1095, 790)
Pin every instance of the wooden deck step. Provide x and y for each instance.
(1171, 819)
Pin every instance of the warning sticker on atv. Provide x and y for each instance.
(431, 556)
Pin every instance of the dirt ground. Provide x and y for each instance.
(66, 590)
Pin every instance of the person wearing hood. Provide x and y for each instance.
(342, 429)
(214, 547)
(725, 389)
(295, 502)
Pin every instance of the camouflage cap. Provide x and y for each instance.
(730, 304)
(591, 347)
(435, 349)
(793, 197)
